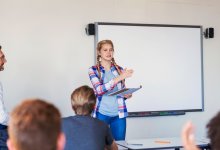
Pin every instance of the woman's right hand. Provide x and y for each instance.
(126, 73)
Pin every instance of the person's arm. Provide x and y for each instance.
(100, 87)
(4, 116)
(188, 137)
(126, 73)
(113, 146)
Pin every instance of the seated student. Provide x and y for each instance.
(83, 131)
(35, 125)
(213, 134)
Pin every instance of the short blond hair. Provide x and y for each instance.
(83, 100)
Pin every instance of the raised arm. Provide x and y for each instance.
(188, 137)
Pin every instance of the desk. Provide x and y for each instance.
(159, 143)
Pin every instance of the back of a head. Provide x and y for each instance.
(83, 100)
(35, 125)
(214, 132)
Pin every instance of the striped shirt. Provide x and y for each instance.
(101, 88)
(4, 117)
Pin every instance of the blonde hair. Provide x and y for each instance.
(99, 47)
(83, 100)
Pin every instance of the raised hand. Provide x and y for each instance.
(188, 137)
(126, 73)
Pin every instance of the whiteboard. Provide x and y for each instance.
(167, 61)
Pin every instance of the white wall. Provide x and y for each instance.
(49, 53)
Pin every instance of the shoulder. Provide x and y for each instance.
(76, 118)
(116, 65)
(93, 67)
(72, 121)
(120, 67)
(67, 120)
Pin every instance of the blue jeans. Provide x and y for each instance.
(116, 124)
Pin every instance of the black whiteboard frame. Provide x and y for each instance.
(160, 112)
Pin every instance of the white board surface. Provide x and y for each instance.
(167, 62)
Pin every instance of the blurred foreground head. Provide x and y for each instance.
(35, 125)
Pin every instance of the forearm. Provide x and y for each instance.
(98, 85)
(102, 88)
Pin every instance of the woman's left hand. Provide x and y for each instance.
(128, 96)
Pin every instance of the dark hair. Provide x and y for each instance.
(214, 131)
(35, 124)
(0, 47)
(83, 100)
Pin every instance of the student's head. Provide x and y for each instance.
(2, 59)
(83, 100)
(35, 125)
(104, 42)
(105, 49)
(214, 131)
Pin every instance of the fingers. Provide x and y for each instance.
(129, 72)
(128, 95)
(188, 136)
(186, 131)
(124, 70)
(126, 73)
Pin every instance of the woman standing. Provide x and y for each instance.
(107, 77)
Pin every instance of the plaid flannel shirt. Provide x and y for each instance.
(101, 88)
